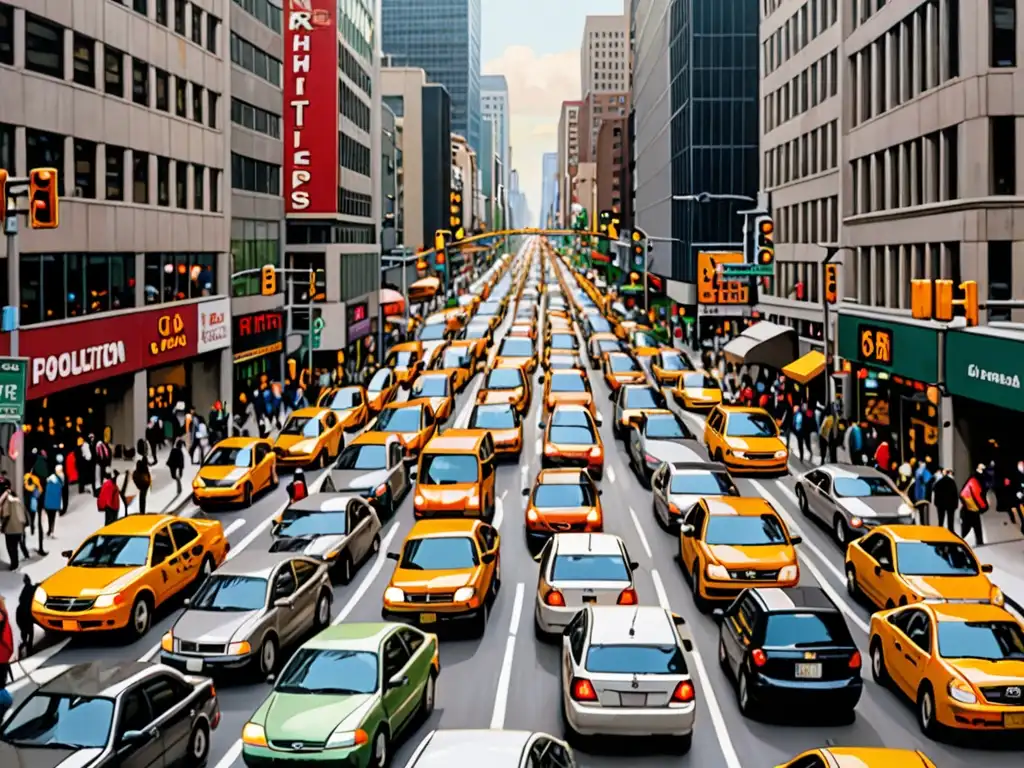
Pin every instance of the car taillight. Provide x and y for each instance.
(759, 657)
(555, 598)
(582, 690)
(855, 660)
(593, 516)
(684, 693)
(213, 692)
(531, 515)
(628, 597)
(595, 451)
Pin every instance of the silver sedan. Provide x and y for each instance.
(678, 486)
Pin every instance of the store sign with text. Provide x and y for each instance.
(214, 325)
(875, 345)
(311, 107)
(358, 321)
(986, 368)
(70, 354)
(257, 334)
(715, 289)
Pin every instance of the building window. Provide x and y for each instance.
(85, 61)
(163, 181)
(255, 119)
(252, 59)
(197, 24)
(113, 72)
(140, 82)
(180, 100)
(1004, 155)
(61, 285)
(212, 23)
(44, 46)
(140, 177)
(179, 276)
(254, 244)
(354, 155)
(1004, 33)
(264, 11)
(179, 16)
(161, 12)
(1000, 278)
(6, 34)
(181, 184)
(163, 84)
(141, 6)
(45, 150)
(251, 175)
(353, 107)
(85, 169)
(115, 172)
(396, 104)
(354, 203)
(213, 99)
(198, 186)
(215, 189)
(7, 148)
(197, 103)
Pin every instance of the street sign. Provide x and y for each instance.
(748, 270)
(13, 375)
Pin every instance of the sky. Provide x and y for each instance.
(535, 44)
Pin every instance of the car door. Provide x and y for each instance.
(917, 653)
(420, 662)
(659, 491)
(162, 559)
(188, 548)
(741, 623)
(264, 467)
(696, 518)
(826, 506)
(138, 743)
(572, 651)
(428, 424)
(400, 695)
(635, 446)
(812, 488)
(334, 432)
(284, 588)
(358, 526)
(397, 476)
(306, 591)
(876, 578)
(170, 700)
(894, 645)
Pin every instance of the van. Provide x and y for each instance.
(456, 476)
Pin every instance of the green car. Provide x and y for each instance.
(344, 697)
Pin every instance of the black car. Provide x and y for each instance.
(790, 648)
(128, 715)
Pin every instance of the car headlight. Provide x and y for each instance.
(254, 735)
(780, 454)
(718, 572)
(464, 594)
(198, 482)
(39, 596)
(959, 691)
(789, 573)
(394, 595)
(856, 522)
(739, 454)
(996, 596)
(167, 642)
(419, 501)
(347, 739)
(108, 601)
(241, 648)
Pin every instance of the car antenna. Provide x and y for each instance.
(590, 542)
(632, 624)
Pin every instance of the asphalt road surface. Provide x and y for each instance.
(507, 679)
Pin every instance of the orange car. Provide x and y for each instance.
(349, 403)
(518, 351)
(523, 330)
(406, 360)
(571, 439)
(438, 389)
(620, 368)
(745, 440)
(381, 390)
(506, 384)
(504, 423)
(456, 476)
(859, 757)
(562, 500)
(413, 421)
(569, 387)
(458, 360)
(480, 333)
(668, 366)
(561, 341)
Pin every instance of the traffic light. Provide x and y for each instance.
(312, 285)
(42, 187)
(921, 299)
(970, 301)
(943, 309)
(638, 250)
(604, 218)
(439, 240)
(831, 283)
(3, 195)
(455, 210)
(765, 239)
(316, 328)
(460, 233)
(268, 283)
(613, 229)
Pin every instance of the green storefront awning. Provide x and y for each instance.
(901, 349)
(985, 367)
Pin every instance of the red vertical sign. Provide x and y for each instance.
(311, 107)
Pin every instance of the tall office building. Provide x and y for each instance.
(494, 105)
(604, 76)
(491, 167)
(441, 37)
(549, 190)
(568, 157)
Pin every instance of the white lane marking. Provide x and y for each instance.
(611, 475)
(538, 447)
(732, 760)
(230, 756)
(499, 512)
(823, 582)
(30, 668)
(640, 533)
(524, 471)
(370, 577)
(505, 676)
(467, 407)
(234, 526)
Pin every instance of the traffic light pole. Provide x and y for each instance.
(831, 251)
(14, 283)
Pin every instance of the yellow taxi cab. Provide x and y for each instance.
(962, 664)
(524, 330)
(697, 391)
(518, 351)
(669, 365)
(571, 439)
(406, 360)
(456, 476)
(469, 302)
(561, 341)
(449, 570)
(859, 757)
(557, 324)
(598, 344)
(125, 571)
(459, 361)
(745, 439)
(562, 500)
(619, 368)
(899, 564)
(505, 425)
(235, 471)
(731, 543)
(563, 361)
(506, 384)
(479, 334)
(310, 436)
(432, 351)
(569, 387)
(349, 403)
(632, 402)
(455, 317)
(381, 390)
(413, 421)
(526, 313)
(438, 389)
(625, 327)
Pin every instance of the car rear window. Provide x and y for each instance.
(806, 630)
(636, 660)
(589, 568)
(559, 495)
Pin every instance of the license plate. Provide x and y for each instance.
(808, 671)
(428, 618)
(194, 665)
(590, 598)
(633, 699)
(1014, 720)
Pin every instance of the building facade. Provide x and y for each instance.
(604, 55)
(549, 190)
(442, 37)
(464, 159)
(391, 213)
(494, 105)
(437, 174)
(613, 179)
(568, 157)
(490, 167)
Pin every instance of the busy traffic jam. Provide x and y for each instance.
(536, 536)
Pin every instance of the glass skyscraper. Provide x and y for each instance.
(441, 37)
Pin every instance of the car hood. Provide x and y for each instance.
(755, 444)
(357, 479)
(310, 716)
(199, 626)
(880, 506)
(673, 450)
(288, 442)
(45, 757)
(982, 672)
(775, 556)
(446, 494)
(226, 472)
(498, 396)
(570, 398)
(951, 587)
(702, 393)
(625, 376)
(405, 578)
(314, 546)
(72, 581)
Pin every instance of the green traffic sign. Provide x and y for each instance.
(13, 379)
(748, 270)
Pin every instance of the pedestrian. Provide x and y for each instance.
(13, 523)
(807, 429)
(5, 482)
(855, 443)
(52, 498)
(65, 489)
(176, 462)
(109, 500)
(23, 616)
(973, 504)
(86, 468)
(921, 490)
(33, 492)
(6, 657)
(883, 457)
(1017, 495)
(143, 480)
(828, 437)
(200, 440)
(154, 436)
(41, 466)
(297, 488)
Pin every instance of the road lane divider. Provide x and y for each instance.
(499, 511)
(234, 526)
(640, 532)
(370, 577)
(32, 669)
(505, 675)
(610, 471)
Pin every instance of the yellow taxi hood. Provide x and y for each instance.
(446, 581)
(755, 444)
(982, 672)
(72, 581)
(226, 472)
(626, 376)
(287, 441)
(499, 396)
(772, 556)
(503, 436)
(951, 587)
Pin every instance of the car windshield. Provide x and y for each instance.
(493, 417)
(608, 345)
(557, 495)
(751, 425)
(489, 309)
(640, 397)
(504, 378)
(306, 426)
(222, 456)
(475, 331)
(636, 660)
(563, 341)
(230, 593)
(448, 469)
(699, 381)
(430, 386)
(599, 325)
(439, 553)
(106, 551)
(434, 332)
(571, 435)
(344, 399)
(568, 382)
(323, 671)
(664, 426)
(380, 380)
(672, 362)
(363, 457)
(399, 420)
(402, 359)
(861, 487)
(562, 361)
(988, 640)
(806, 630)
(516, 348)
(621, 364)
(702, 484)
(455, 358)
(935, 558)
(59, 721)
(641, 340)
(298, 523)
(745, 530)
(589, 568)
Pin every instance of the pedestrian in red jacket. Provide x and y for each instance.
(109, 500)
(6, 645)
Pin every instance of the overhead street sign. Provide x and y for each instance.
(748, 270)
(13, 377)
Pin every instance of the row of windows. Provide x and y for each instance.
(1003, 33)
(263, 11)
(354, 71)
(251, 175)
(811, 221)
(353, 107)
(254, 244)
(355, 23)
(814, 152)
(182, 16)
(255, 119)
(872, 274)
(252, 59)
(359, 274)
(354, 203)
(328, 233)
(796, 280)
(862, 10)
(354, 155)
(179, 276)
(805, 91)
(894, 69)
(813, 18)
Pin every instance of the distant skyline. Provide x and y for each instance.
(535, 44)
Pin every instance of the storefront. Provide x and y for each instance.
(893, 369)
(256, 346)
(360, 333)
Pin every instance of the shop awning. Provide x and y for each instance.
(392, 302)
(424, 289)
(808, 367)
(763, 343)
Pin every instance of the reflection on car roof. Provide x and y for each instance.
(650, 625)
(493, 748)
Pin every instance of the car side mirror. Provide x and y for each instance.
(718, 615)
(488, 558)
(540, 379)
(540, 425)
(398, 681)
(66, 554)
(634, 566)
(986, 568)
(599, 420)
(131, 738)
(796, 539)
(283, 602)
(526, 492)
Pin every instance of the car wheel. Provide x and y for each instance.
(480, 623)
(247, 496)
(852, 587)
(840, 532)
(141, 616)
(380, 757)
(322, 617)
(926, 712)
(662, 523)
(204, 572)
(389, 504)
(680, 745)
(878, 671)
(323, 459)
(198, 745)
(745, 696)
(375, 546)
(429, 696)
(268, 656)
(346, 569)
(698, 601)
(801, 500)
